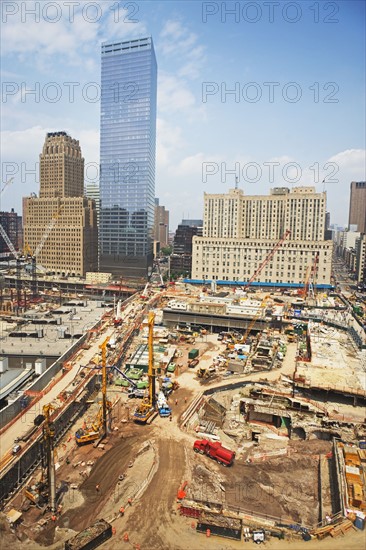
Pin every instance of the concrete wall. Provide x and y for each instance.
(26, 463)
(11, 411)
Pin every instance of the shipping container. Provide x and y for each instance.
(193, 353)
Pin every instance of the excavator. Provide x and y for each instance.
(147, 409)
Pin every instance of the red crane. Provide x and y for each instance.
(267, 258)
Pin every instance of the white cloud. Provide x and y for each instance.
(174, 95)
(177, 42)
(351, 161)
(168, 143)
(74, 39)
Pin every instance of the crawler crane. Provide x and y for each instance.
(44, 492)
(99, 429)
(148, 407)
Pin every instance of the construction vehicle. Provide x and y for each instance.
(99, 428)
(258, 536)
(206, 372)
(267, 259)
(168, 385)
(214, 450)
(147, 408)
(44, 492)
(117, 321)
(37, 493)
(92, 433)
(163, 407)
(92, 537)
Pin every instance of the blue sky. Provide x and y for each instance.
(295, 114)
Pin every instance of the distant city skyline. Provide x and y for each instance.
(233, 98)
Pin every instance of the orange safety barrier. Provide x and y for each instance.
(126, 537)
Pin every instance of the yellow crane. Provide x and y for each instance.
(148, 407)
(255, 318)
(48, 436)
(99, 428)
(45, 491)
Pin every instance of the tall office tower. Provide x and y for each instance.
(161, 224)
(357, 206)
(239, 231)
(62, 222)
(127, 156)
(12, 224)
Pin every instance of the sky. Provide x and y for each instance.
(265, 94)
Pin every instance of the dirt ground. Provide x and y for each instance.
(284, 487)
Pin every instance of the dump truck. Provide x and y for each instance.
(91, 537)
(214, 450)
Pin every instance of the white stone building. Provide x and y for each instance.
(239, 231)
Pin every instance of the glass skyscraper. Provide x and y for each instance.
(127, 156)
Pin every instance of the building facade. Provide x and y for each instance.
(161, 224)
(91, 191)
(127, 156)
(62, 220)
(361, 260)
(239, 232)
(12, 224)
(181, 259)
(357, 206)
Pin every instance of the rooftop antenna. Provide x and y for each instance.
(236, 182)
(323, 182)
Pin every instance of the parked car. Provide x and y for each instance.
(193, 363)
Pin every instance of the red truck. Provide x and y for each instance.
(214, 450)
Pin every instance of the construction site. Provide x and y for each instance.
(186, 416)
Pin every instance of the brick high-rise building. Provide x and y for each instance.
(239, 231)
(71, 247)
(357, 206)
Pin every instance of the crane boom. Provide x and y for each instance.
(151, 373)
(267, 258)
(8, 242)
(48, 435)
(103, 348)
(6, 184)
(47, 232)
(255, 318)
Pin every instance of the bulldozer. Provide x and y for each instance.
(206, 372)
